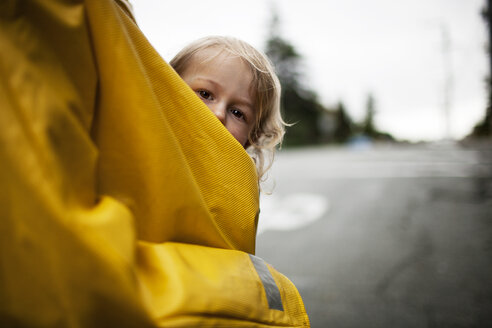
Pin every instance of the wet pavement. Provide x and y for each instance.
(384, 237)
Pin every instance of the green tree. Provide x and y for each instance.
(484, 127)
(343, 124)
(368, 127)
(300, 106)
(284, 56)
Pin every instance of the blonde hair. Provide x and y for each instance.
(268, 130)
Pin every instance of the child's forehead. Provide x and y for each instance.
(214, 56)
(218, 62)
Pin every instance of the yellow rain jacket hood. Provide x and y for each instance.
(124, 202)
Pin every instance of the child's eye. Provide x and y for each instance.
(204, 94)
(236, 112)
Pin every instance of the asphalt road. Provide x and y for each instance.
(384, 237)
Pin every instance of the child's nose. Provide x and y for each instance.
(220, 112)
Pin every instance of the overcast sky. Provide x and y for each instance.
(393, 49)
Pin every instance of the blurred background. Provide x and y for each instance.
(381, 211)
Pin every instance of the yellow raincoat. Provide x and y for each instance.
(123, 202)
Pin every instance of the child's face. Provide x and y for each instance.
(224, 85)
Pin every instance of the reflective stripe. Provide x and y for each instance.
(271, 289)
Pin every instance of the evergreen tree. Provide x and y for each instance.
(368, 127)
(284, 56)
(343, 124)
(484, 128)
(300, 106)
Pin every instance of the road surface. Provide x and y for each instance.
(384, 237)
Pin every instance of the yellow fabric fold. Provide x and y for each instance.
(167, 147)
(227, 276)
(110, 168)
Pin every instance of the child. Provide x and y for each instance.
(239, 85)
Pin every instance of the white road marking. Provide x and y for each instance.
(290, 212)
